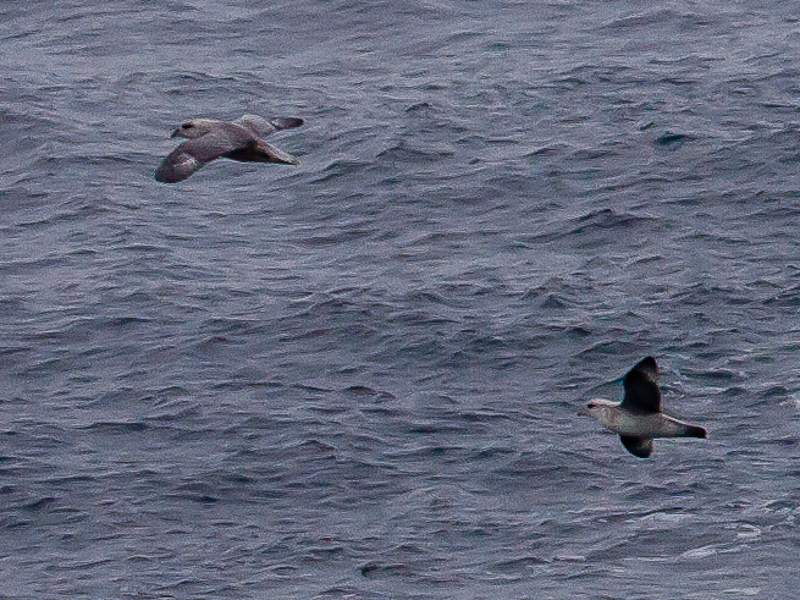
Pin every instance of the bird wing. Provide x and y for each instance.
(260, 151)
(263, 127)
(642, 394)
(193, 154)
(641, 447)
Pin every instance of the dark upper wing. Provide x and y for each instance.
(177, 166)
(263, 127)
(193, 154)
(642, 394)
(261, 151)
(641, 447)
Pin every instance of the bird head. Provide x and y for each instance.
(194, 128)
(596, 407)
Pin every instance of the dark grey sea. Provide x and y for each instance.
(358, 378)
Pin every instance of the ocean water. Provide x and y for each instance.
(358, 378)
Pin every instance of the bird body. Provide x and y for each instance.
(609, 415)
(638, 418)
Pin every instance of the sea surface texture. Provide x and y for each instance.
(358, 378)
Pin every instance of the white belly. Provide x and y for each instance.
(652, 426)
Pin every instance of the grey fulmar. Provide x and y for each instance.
(209, 139)
(638, 418)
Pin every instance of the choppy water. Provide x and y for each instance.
(358, 378)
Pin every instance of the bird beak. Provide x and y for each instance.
(583, 413)
(279, 156)
(175, 133)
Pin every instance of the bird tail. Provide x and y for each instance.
(695, 431)
(286, 122)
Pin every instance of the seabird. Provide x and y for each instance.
(238, 140)
(638, 418)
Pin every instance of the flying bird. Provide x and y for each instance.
(238, 140)
(638, 418)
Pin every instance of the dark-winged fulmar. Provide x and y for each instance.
(638, 418)
(209, 139)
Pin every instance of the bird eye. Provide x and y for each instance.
(187, 125)
(591, 405)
